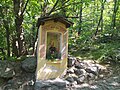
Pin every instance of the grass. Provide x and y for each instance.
(98, 50)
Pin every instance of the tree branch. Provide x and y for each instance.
(67, 6)
(66, 1)
(24, 8)
(53, 7)
(72, 17)
(100, 19)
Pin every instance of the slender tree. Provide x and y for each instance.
(4, 13)
(6, 25)
(116, 5)
(101, 18)
(80, 18)
(19, 9)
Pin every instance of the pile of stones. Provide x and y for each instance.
(83, 71)
(79, 72)
(17, 75)
(21, 75)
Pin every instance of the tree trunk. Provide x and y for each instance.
(7, 37)
(33, 33)
(19, 8)
(102, 24)
(20, 38)
(80, 19)
(114, 14)
(6, 26)
(100, 19)
(14, 47)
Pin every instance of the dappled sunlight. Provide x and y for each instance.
(94, 87)
(115, 84)
(115, 77)
(48, 71)
(7, 69)
(87, 86)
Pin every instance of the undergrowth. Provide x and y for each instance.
(104, 48)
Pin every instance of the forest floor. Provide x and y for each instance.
(25, 80)
(105, 49)
(110, 81)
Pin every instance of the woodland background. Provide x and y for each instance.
(95, 34)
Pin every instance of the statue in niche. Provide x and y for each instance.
(53, 53)
(52, 48)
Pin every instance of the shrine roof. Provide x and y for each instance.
(58, 18)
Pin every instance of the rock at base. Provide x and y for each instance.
(29, 64)
(6, 70)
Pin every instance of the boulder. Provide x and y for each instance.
(94, 70)
(79, 65)
(80, 72)
(70, 79)
(81, 79)
(40, 84)
(20, 82)
(29, 64)
(91, 76)
(59, 82)
(71, 61)
(9, 87)
(27, 87)
(71, 70)
(6, 70)
(12, 84)
(56, 84)
(17, 68)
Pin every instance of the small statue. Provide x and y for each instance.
(52, 52)
(52, 49)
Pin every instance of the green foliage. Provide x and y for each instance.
(107, 41)
(104, 49)
(85, 45)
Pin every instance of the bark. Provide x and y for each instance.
(35, 43)
(102, 23)
(53, 8)
(19, 31)
(101, 18)
(80, 19)
(33, 31)
(19, 9)
(44, 8)
(114, 14)
(14, 47)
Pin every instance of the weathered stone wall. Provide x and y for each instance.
(81, 75)
(19, 75)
